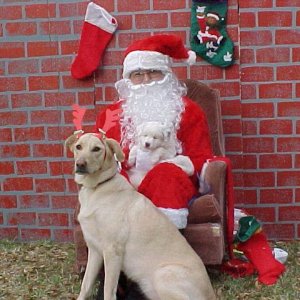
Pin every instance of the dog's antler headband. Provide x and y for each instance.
(78, 113)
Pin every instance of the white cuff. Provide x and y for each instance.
(99, 17)
(177, 216)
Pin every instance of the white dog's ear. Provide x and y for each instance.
(116, 149)
(70, 142)
(167, 134)
(140, 129)
(167, 130)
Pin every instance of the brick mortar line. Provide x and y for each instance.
(51, 227)
(266, 188)
(33, 193)
(271, 205)
(270, 171)
(38, 210)
(268, 28)
(270, 135)
(269, 100)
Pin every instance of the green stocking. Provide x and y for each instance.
(209, 37)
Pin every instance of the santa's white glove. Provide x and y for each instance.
(183, 162)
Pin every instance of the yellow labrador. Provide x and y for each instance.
(124, 230)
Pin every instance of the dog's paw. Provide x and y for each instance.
(132, 157)
(130, 162)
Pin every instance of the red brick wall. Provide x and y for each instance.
(270, 109)
(259, 105)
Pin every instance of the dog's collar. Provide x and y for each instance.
(95, 181)
(107, 179)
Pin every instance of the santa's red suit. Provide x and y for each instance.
(166, 185)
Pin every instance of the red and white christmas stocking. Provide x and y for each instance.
(98, 29)
(259, 253)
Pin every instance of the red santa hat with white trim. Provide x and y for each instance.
(155, 52)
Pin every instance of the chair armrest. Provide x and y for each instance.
(204, 209)
(215, 176)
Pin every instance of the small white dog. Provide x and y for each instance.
(155, 143)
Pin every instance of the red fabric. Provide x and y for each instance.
(114, 129)
(237, 268)
(167, 44)
(93, 43)
(229, 204)
(168, 186)
(259, 253)
(164, 180)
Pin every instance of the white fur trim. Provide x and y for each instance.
(146, 60)
(177, 216)
(200, 9)
(213, 16)
(99, 17)
(183, 162)
(192, 57)
(220, 39)
(201, 177)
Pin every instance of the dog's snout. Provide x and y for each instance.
(81, 166)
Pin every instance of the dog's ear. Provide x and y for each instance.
(116, 149)
(140, 129)
(70, 142)
(167, 131)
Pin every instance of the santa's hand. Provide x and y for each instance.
(183, 162)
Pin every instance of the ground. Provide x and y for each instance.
(45, 270)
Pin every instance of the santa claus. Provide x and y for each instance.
(149, 91)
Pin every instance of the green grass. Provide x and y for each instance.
(41, 270)
(45, 270)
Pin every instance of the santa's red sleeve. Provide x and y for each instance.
(194, 134)
(100, 120)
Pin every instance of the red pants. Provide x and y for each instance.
(167, 186)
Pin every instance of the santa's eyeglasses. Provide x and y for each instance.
(141, 76)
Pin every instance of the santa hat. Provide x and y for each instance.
(213, 15)
(155, 52)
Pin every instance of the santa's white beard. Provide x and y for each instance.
(159, 101)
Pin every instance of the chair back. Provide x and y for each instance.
(209, 100)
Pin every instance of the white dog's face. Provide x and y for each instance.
(152, 135)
